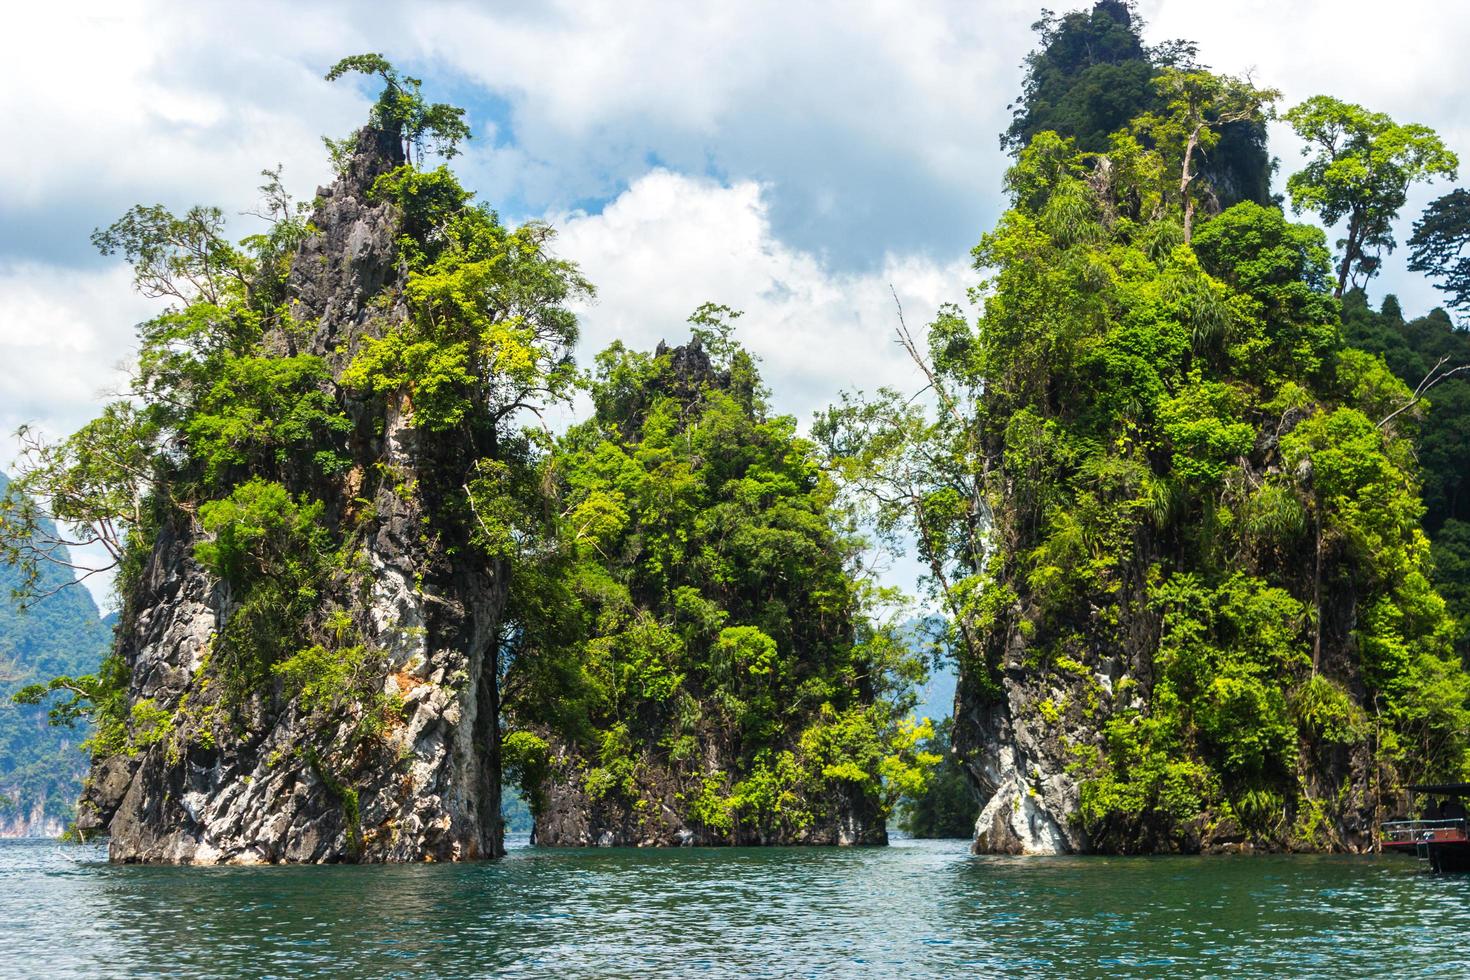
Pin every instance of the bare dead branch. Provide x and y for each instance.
(1435, 376)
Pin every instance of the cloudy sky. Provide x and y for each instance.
(789, 159)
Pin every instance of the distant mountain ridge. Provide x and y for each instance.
(41, 767)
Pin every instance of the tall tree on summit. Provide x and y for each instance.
(1440, 242)
(1198, 106)
(401, 108)
(1362, 165)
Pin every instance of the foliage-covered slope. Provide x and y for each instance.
(1412, 350)
(712, 675)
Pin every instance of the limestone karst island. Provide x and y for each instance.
(662, 492)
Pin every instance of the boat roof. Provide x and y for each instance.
(1443, 789)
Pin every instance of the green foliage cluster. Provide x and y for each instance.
(1213, 453)
(1091, 76)
(489, 334)
(702, 620)
(271, 551)
(401, 109)
(1412, 349)
(1360, 167)
(946, 805)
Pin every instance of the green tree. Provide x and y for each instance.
(1361, 167)
(1197, 108)
(91, 489)
(489, 335)
(1412, 349)
(401, 109)
(1438, 246)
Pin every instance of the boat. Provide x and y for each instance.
(1441, 837)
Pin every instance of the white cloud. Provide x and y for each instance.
(65, 337)
(671, 242)
(790, 159)
(874, 125)
(112, 104)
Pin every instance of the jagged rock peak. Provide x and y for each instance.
(352, 256)
(374, 152)
(690, 371)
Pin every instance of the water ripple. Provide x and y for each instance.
(919, 908)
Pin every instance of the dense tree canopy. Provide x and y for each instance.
(1360, 167)
(706, 627)
(1091, 76)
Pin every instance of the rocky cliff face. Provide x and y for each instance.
(1027, 733)
(1029, 795)
(30, 821)
(263, 780)
(1019, 743)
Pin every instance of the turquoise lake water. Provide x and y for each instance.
(914, 909)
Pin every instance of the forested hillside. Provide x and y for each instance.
(41, 765)
(706, 669)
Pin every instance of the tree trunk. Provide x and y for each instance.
(1352, 246)
(1185, 179)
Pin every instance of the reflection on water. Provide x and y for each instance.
(918, 908)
